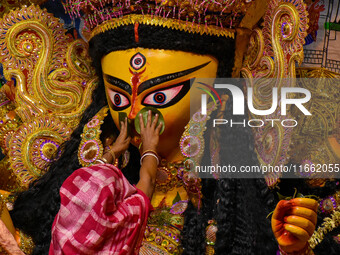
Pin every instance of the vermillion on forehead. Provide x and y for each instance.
(160, 66)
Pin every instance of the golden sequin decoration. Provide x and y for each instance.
(9, 121)
(50, 81)
(7, 5)
(2, 205)
(160, 240)
(168, 176)
(329, 223)
(272, 54)
(91, 147)
(52, 71)
(34, 145)
(26, 243)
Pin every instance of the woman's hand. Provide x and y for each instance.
(123, 140)
(293, 223)
(150, 138)
(150, 132)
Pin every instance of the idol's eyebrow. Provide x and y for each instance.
(118, 82)
(167, 77)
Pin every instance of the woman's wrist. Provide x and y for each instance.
(147, 147)
(149, 153)
(109, 157)
(112, 154)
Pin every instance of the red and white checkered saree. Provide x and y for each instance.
(100, 213)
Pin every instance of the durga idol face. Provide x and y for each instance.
(139, 77)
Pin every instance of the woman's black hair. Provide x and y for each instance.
(238, 205)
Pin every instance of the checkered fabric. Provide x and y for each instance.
(100, 213)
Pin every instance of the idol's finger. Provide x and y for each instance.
(304, 212)
(298, 232)
(305, 202)
(300, 222)
(281, 209)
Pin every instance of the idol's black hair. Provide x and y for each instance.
(239, 206)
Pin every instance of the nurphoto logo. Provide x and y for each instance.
(239, 102)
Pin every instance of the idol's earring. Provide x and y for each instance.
(210, 237)
(192, 149)
(192, 141)
(91, 147)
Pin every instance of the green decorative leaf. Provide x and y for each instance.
(270, 214)
(144, 113)
(122, 116)
(295, 191)
(176, 199)
(299, 195)
(282, 197)
(313, 197)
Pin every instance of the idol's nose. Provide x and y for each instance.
(135, 108)
(133, 113)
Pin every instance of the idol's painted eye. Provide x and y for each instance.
(118, 100)
(167, 97)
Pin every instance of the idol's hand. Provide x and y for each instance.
(123, 140)
(293, 223)
(150, 132)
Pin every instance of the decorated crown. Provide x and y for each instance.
(212, 17)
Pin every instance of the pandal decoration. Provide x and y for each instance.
(272, 54)
(49, 83)
(34, 145)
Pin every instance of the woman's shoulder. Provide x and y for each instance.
(99, 172)
(98, 178)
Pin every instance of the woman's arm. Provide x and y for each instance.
(150, 138)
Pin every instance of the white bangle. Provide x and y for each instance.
(149, 154)
(100, 161)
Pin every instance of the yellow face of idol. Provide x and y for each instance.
(136, 78)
